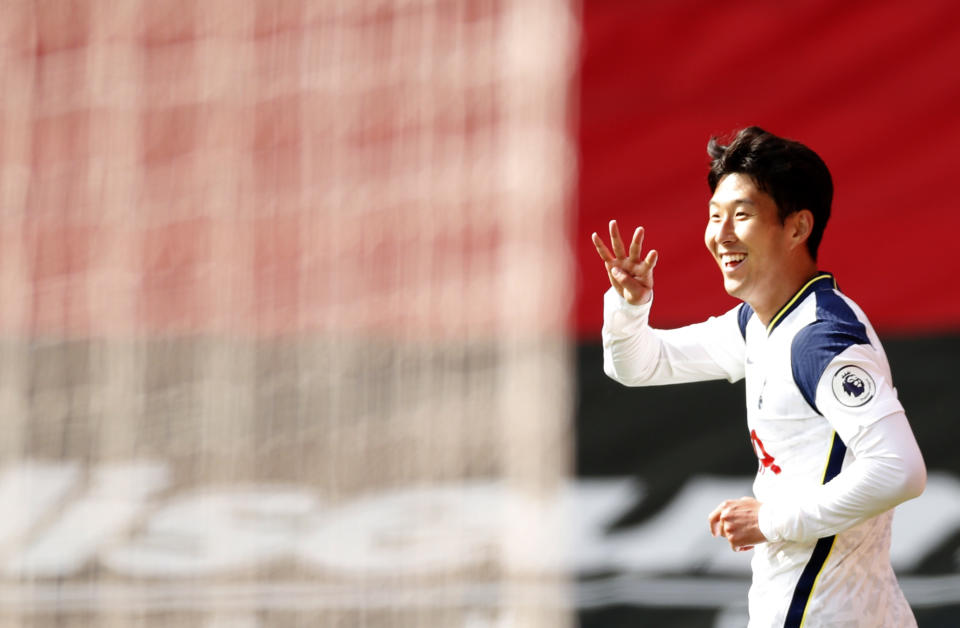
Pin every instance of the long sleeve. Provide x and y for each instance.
(887, 470)
(635, 354)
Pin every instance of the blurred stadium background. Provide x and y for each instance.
(300, 319)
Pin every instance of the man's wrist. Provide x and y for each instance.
(620, 318)
(766, 522)
(615, 301)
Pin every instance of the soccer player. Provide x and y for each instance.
(835, 450)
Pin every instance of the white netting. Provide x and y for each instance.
(284, 287)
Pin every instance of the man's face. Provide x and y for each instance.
(746, 238)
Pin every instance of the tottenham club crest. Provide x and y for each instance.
(853, 387)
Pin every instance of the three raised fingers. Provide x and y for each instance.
(619, 253)
(633, 264)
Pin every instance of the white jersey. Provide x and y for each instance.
(816, 378)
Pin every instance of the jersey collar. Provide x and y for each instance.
(822, 281)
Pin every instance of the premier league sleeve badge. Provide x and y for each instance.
(853, 386)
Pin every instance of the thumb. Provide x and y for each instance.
(634, 291)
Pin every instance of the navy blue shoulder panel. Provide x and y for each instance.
(835, 328)
(743, 315)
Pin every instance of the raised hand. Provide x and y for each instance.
(630, 275)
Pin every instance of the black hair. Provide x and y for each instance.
(792, 174)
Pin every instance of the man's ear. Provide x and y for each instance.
(801, 225)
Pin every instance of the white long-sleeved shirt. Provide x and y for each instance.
(835, 450)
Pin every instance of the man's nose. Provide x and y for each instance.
(725, 231)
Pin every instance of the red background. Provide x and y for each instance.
(873, 87)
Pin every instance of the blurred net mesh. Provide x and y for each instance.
(284, 286)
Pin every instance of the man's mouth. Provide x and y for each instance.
(730, 261)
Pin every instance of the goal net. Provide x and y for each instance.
(284, 295)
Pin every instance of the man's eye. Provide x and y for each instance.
(741, 214)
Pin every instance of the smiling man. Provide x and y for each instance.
(835, 450)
